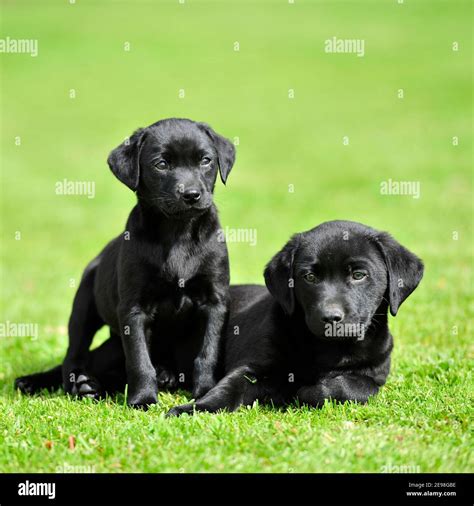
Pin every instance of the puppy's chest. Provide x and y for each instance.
(177, 263)
(176, 282)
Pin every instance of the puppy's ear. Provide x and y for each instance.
(124, 159)
(225, 151)
(405, 270)
(279, 275)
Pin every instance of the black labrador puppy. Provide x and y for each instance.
(320, 331)
(161, 286)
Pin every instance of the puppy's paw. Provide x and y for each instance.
(181, 410)
(141, 400)
(27, 385)
(203, 386)
(165, 379)
(86, 386)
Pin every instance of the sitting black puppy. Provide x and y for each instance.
(320, 331)
(162, 286)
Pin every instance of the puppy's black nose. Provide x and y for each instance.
(191, 196)
(332, 314)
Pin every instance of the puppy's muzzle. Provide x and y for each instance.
(191, 196)
(332, 314)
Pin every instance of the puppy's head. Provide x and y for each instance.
(340, 273)
(172, 165)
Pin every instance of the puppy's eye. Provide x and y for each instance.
(310, 277)
(162, 164)
(358, 275)
(205, 161)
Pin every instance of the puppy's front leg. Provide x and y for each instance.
(235, 389)
(141, 375)
(206, 362)
(341, 388)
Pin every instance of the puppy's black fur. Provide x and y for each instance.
(162, 286)
(320, 330)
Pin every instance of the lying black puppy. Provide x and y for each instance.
(321, 333)
(162, 286)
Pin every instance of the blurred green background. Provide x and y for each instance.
(288, 105)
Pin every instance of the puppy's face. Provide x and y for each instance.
(173, 165)
(339, 273)
(339, 282)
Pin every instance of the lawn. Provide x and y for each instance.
(316, 133)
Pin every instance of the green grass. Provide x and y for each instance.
(422, 419)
